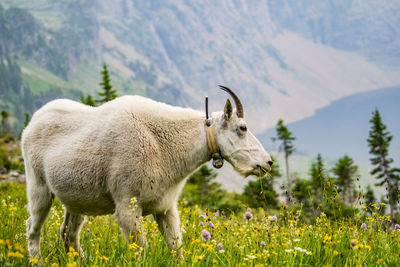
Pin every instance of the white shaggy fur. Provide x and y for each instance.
(96, 159)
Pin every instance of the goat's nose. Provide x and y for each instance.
(270, 163)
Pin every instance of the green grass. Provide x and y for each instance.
(261, 241)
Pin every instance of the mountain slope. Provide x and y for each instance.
(178, 51)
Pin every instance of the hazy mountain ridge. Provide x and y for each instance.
(178, 51)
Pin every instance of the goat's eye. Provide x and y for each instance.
(243, 128)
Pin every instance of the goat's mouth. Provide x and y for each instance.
(260, 171)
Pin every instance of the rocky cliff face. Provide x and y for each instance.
(284, 58)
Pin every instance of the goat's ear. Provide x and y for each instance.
(228, 110)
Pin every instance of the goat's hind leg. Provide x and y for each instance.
(70, 229)
(39, 203)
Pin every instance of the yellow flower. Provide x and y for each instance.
(195, 241)
(198, 258)
(133, 246)
(72, 264)
(335, 252)
(15, 255)
(379, 261)
(187, 252)
(382, 204)
(54, 264)
(364, 207)
(34, 261)
(20, 248)
(103, 258)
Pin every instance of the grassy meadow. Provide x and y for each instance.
(252, 238)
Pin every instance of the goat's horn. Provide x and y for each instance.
(239, 107)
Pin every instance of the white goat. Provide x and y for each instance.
(96, 159)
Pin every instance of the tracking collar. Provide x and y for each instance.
(217, 159)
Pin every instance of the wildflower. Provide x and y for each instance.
(397, 227)
(103, 258)
(379, 261)
(382, 203)
(288, 250)
(206, 235)
(262, 244)
(34, 261)
(248, 209)
(72, 264)
(353, 242)
(219, 246)
(211, 225)
(54, 264)
(248, 215)
(216, 214)
(198, 258)
(15, 255)
(195, 241)
(201, 224)
(187, 252)
(363, 226)
(133, 246)
(274, 218)
(202, 215)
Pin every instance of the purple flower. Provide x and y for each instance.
(206, 235)
(397, 227)
(262, 244)
(248, 215)
(248, 209)
(202, 215)
(211, 225)
(219, 246)
(363, 226)
(274, 219)
(353, 242)
(216, 214)
(201, 224)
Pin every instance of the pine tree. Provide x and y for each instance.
(261, 192)
(88, 100)
(5, 127)
(318, 176)
(201, 188)
(345, 172)
(26, 122)
(108, 93)
(378, 142)
(287, 139)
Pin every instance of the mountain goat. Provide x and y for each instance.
(96, 159)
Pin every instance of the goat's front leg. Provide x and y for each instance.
(169, 226)
(130, 220)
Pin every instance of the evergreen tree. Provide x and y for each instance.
(108, 92)
(378, 142)
(201, 189)
(284, 135)
(26, 122)
(318, 176)
(345, 172)
(261, 192)
(88, 100)
(5, 127)
(302, 191)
